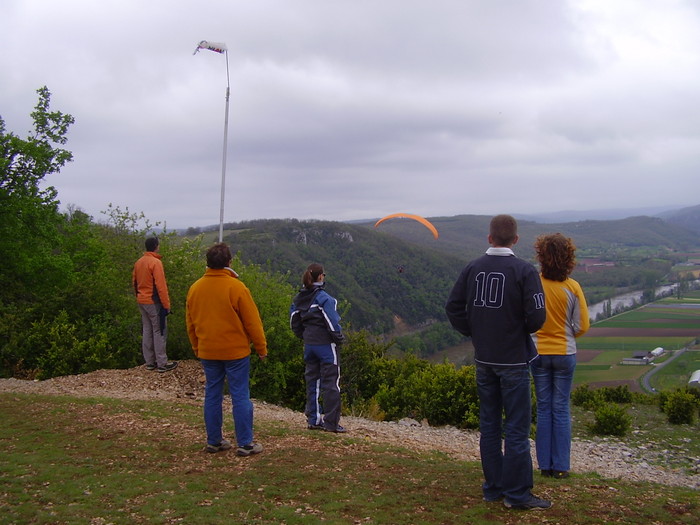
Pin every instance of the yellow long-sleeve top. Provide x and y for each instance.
(222, 318)
(567, 317)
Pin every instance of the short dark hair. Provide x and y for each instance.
(503, 230)
(152, 243)
(219, 256)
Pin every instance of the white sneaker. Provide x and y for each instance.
(224, 445)
(253, 448)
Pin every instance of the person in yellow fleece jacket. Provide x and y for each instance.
(553, 369)
(222, 321)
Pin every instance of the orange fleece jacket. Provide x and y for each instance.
(149, 280)
(222, 318)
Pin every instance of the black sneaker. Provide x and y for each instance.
(168, 366)
(315, 427)
(560, 474)
(546, 473)
(338, 429)
(533, 503)
(150, 367)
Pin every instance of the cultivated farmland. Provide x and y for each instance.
(672, 324)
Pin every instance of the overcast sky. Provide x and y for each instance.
(355, 109)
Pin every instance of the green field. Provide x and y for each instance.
(628, 345)
(661, 317)
(677, 372)
(614, 375)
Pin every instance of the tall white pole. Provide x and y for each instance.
(223, 159)
(221, 48)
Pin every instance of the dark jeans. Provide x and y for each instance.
(322, 377)
(507, 470)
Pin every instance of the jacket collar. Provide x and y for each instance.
(228, 272)
(503, 252)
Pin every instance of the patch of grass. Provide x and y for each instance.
(666, 445)
(87, 461)
(611, 374)
(630, 344)
(677, 372)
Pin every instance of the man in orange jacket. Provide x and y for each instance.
(154, 303)
(222, 322)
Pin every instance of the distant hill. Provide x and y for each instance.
(399, 274)
(688, 218)
(610, 214)
(465, 235)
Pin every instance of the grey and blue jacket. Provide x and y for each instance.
(314, 318)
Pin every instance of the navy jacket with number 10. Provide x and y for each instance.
(498, 301)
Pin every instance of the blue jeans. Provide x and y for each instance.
(237, 372)
(553, 375)
(507, 470)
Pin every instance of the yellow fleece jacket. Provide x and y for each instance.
(567, 317)
(222, 318)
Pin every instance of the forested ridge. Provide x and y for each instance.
(377, 277)
(400, 272)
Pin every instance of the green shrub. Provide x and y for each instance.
(617, 394)
(442, 394)
(640, 398)
(581, 395)
(69, 348)
(680, 407)
(611, 420)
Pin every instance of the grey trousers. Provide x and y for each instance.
(153, 341)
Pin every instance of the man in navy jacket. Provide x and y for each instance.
(498, 301)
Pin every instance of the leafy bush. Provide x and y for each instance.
(364, 367)
(680, 407)
(617, 394)
(586, 398)
(581, 395)
(442, 394)
(611, 420)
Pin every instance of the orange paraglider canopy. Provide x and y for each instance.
(422, 220)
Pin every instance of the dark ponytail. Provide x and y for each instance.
(311, 275)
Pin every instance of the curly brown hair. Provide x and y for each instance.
(557, 256)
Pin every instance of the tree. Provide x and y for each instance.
(29, 217)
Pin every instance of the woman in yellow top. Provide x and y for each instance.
(553, 369)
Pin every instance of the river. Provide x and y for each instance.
(626, 300)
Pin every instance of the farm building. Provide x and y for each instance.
(656, 352)
(635, 360)
(694, 379)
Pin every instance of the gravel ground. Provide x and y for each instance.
(609, 458)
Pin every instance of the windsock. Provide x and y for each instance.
(212, 46)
